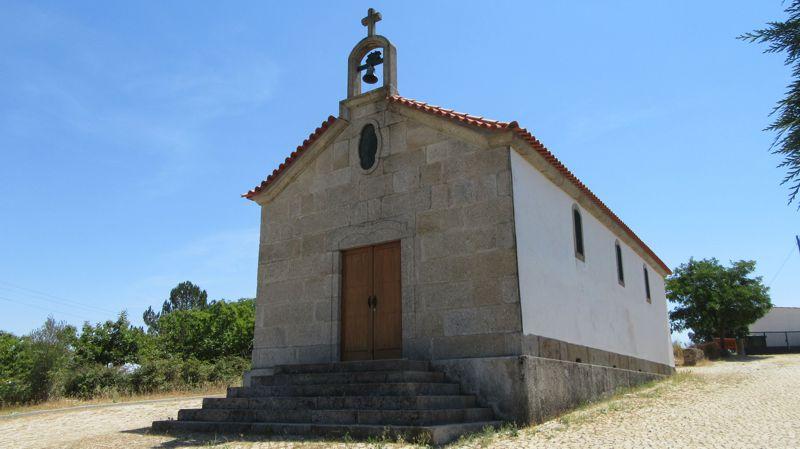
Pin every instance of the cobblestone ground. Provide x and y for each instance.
(739, 404)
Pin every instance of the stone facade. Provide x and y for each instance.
(442, 189)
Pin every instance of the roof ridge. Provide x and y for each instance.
(449, 113)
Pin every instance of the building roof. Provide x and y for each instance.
(479, 122)
(291, 158)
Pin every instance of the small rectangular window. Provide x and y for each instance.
(620, 272)
(577, 225)
(647, 284)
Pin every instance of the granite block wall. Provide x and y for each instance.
(447, 200)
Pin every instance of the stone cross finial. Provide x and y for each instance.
(372, 18)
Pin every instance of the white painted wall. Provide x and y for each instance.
(780, 319)
(575, 301)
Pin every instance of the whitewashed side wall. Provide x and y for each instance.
(780, 319)
(581, 302)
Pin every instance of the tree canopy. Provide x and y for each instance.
(185, 296)
(114, 342)
(222, 329)
(716, 301)
(785, 37)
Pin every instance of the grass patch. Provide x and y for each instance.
(486, 436)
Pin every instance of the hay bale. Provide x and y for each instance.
(692, 355)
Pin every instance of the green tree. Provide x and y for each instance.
(220, 330)
(716, 301)
(15, 366)
(115, 342)
(185, 296)
(150, 318)
(50, 351)
(785, 37)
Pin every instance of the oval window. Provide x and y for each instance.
(367, 147)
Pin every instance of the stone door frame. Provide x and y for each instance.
(368, 234)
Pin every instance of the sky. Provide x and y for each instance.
(128, 131)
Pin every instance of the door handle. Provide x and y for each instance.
(372, 302)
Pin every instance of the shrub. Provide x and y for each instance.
(163, 375)
(229, 369)
(90, 381)
(156, 376)
(195, 373)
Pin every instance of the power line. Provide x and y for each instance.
(56, 299)
(29, 297)
(51, 311)
(788, 256)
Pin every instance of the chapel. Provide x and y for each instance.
(427, 272)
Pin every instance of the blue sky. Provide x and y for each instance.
(129, 130)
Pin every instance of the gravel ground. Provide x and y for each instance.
(739, 404)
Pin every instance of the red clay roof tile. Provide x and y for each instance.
(292, 157)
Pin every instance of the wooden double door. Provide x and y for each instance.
(371, 303)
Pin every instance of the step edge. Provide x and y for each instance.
(352, 383)
(393, 410)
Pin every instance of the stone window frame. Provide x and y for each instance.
(647, 284)
(577, 234)
(620, 265)
(378, 151)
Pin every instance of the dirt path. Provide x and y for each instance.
(752, 404)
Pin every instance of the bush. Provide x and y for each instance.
(156, 376)
(90, 381)
(229, 369)
(172, 374)
(195, 373)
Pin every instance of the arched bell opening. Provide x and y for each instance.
(371, 65)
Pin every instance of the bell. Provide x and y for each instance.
(370, 77)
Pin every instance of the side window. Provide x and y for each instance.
(620, 271)
(577, 226)
(647, 284)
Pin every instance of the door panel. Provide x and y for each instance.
(388, 342)
(371, 303)
(356, 313)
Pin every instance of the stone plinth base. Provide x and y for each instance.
(528, 389)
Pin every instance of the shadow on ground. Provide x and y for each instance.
(745, 358)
